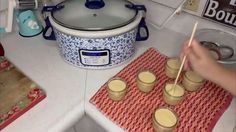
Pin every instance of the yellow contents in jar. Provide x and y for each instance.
(117, 85)
(147, 77)
(165, 117)
(176, 90)
(174, 63)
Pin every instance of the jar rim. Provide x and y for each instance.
(172, 95)
(146, 70)
(185, 75)
(171, 59)
(172, 111)
(117, 78)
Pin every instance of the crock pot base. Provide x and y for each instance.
(102, 67)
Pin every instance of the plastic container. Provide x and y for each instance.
(146, 80)
(116, 88)
(164, 120)
(173, 95)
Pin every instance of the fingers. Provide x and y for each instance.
(198, 49)
(191, 52)
(183, 50)
(192, 57)
(186, 65)
(183, 53)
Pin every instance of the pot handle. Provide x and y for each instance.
(142, 25)
(48, 26)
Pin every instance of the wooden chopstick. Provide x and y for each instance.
(184, 59)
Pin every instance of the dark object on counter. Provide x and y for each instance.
(1, 50)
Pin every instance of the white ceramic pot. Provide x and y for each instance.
(97, 45)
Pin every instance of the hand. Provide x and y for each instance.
(199, 59)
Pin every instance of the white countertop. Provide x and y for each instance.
(63, 84)
(69, 88)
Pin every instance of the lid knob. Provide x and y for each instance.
(94, 4)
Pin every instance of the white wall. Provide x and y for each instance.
(182, 22)
(3, 6)
(3, 3)
(157, 14)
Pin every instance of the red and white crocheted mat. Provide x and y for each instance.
(198, 112)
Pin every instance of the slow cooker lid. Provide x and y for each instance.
(94, 15)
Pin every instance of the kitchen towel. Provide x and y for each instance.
(199, 111)
(18, 93)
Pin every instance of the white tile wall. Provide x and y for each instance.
(3, 5)
(169, 3)
(156, 14)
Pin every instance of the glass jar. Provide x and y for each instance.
(173, 94)
(192, 81)
(164, 120)
(116, 88)
(172, 67)
(146, 80)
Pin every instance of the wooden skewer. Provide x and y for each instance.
(182, 64)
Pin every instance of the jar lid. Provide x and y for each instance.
(94, 15)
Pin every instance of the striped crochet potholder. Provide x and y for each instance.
(198, 112)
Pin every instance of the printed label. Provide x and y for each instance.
(94, 57)
(223, 11)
